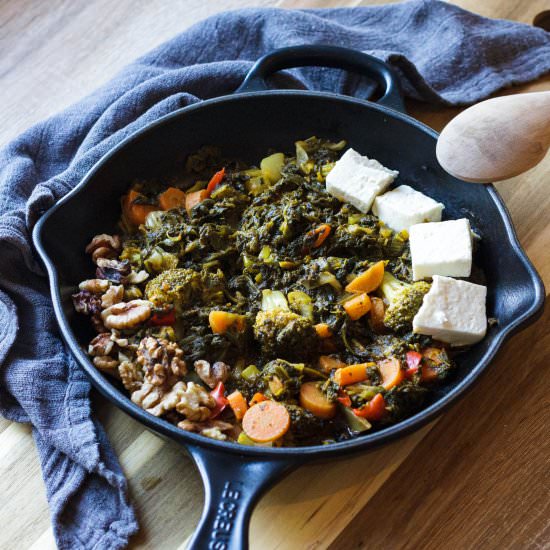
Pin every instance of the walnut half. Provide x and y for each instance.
(127, 314)
(104, 246)
(212, 374)
(210, 428)
(161, 360)
(190, 400)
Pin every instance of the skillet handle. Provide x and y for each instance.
(326, 56)
(232, 485)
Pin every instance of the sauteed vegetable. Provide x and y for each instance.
(249, 304)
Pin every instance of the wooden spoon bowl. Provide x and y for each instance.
(496, 139)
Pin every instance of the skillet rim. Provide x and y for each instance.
(358, 444)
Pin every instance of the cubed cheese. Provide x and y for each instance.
(358, 180)
(441, 248)
(453, 311)
(404, 206)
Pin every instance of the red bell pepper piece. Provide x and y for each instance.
(215, 181)
(163, 318)
(344, 398)
(374, 409)
(218, 393)
(413, 363)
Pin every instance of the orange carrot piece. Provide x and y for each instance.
(357, 306)
(216, 179)
(192, 199)
(374, 409)
(237, 402)
(257, 398)
(369, 280)
(172, 198)
(323, 330)
(377, 312)
(351, 374)
(222, 321)
(391, 372)
(134, 212)
(322, 232)
(315, 401)
(266, 421)
(328, 363)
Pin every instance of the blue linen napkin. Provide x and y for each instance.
(442, 54)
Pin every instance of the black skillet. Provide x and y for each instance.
(246, 125)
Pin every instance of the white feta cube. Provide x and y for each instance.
(453, 311)
(404, 206)
(441, 248)
(358, 180)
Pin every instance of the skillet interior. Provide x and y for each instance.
(246, 126)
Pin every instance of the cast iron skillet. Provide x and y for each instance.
(245, 126)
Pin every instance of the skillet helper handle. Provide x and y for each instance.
(232, 485)
(326, 56)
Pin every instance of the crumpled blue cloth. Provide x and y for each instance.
(442, 54)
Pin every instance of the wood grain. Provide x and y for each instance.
(477, 479)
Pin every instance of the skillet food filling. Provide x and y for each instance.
(270, 306)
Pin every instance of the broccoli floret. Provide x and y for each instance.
(281, 380)
(305, 428)
(438, 362)
(282, 333)
(404, 301)
(177, 287)
(404, 400)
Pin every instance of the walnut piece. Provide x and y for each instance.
(131, 376)
(161, 360)
(101, 345)
(126, 314)
(114, 295)
(147, 396)
(86, 302)
(113, 270)
(190, 400)
(212, 374)
(104, 246)
(96, 286)
(105, 363)
(211, 428)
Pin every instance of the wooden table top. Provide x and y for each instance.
(476, 478)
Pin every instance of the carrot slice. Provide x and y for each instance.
(357, 306)
(374, 409)
(322, 232)
(134, 212)
(377, 312)
(192, 199)
(172, 198)
(315, 401)
(328, 363)
(323, 330)
(352, 374)
(238, 403)
(216, 179)
(391, 372)
(266, 421)
(222, 321)
(257, 398)
(369, 280)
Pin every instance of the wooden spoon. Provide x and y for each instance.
(496, 139)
